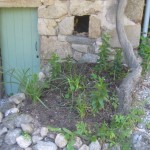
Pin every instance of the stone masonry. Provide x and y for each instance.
(58, 20)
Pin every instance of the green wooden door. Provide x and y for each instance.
(19, 43)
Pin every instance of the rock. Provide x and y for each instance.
(134, 38)
(58, 10)
(10, 147)
(47, 26)
(11, 136)
(3, 130)
(81, 8)
(23, 142)
(62, 38)
(63, 49)
(140, 141)
(27, 128)
(41, 76)
(66, 26)
(95, 146)
(78, 143)
(11, 111)
(89, 58)
(77, 55)
(45, 146)
(9, 121)
(36, 138)
(116, 147)
(44, 131)
(84, 147)
(29, 148)
(105, 146)
(6, 105)
(94, 26)
(1, 117)
(51, 135)
(18, 98)
(80, 48)
(60, 141)
(23, 119)
(80, 40)
(1, 141)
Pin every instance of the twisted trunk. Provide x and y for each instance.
(127, 86)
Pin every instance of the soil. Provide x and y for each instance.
(60, 113)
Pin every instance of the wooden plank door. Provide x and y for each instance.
(19, 43)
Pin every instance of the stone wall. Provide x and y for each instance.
(58, 18)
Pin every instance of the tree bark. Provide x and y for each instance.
(127, 86)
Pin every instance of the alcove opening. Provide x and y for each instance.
(81, 25)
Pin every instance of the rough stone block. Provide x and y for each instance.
(134, 10)
(77, 55)
(84, 7)
(133, 33)
(48, 2)
(80, 40)
(20, 3)
(80, 48)
(58, 10)
(48, 46)
(94, 26)
(66, 26)
(46, 26)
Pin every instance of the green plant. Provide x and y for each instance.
(81, 105)
(26, 135)
(148, 125)
(144, 51)
(82, 129)
(99, 95)
(114, 101)
(102, 62)
(56, 65)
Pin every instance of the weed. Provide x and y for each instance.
(144, 51)
(56, 65)
(148, 125)
(102, 62)
(81, 105)
(82, 128)
(99, 95)
(26, 135)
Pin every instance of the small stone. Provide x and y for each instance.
(23, 119)
(41, 76)
(95, 146)
(36, 138)
(51, 135)
(28, 148)
(78, 143)
(84, 147)
(11, 111)
(60, 141)
(116, 147)
(105, 146)
(6, 105)
(44, 131)
(89, 58)
(18, 98)
(1, 117)
(3, 130)
(23, 142)
(11, 136)
(45, 146)
(27, 128)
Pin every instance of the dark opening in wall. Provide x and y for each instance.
(81, 24)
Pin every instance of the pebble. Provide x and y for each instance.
(84, 147)
(23, 142)
(44, 131)
(1, 117)
(17, 98)
(3, 130)
(95, 146)
(11, 136)
(36, 138)
(11, 111)
(78, 143)
(27, 128)
(60, 141)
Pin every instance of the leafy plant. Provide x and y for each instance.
(99, 95)
(82, 128)
(148, 125)
(56, 65)
(26, 135)
(102, 62)
(144, 51)
(81, 105)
